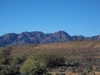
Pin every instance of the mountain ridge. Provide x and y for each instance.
(38, 37)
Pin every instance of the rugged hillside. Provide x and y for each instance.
(40, 38)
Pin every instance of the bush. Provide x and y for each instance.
(41, 61)
(3, 61)
(28, 65)
(9, 70)
(35, 71)
(2, 72)
(78, 70)
(17, 59)
(4, 55)
(69, 69)
(88, 69)
(49, 59)
(82, 73)
(5, 52)
(97, 69)
(60, 74)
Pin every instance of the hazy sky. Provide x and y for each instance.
(76, 17)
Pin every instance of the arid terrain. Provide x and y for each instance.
(81, 51)
(77, 46)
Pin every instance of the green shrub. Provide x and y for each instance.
(41, 62)
(49, 59)
(2, 72)
(5, 52)
(3, 61)
(17, 59)
(82, 73)
(28, 65)
(4, 55)
(88, 69)
(9, 70)
(60, 74)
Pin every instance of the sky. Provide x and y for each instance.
(76, 17)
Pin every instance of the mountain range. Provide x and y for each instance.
(36, 37)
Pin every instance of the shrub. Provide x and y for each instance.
(41, 62)
(78, 70)
(5, 52)
(60, 74)
(4, 55)
(28, 65)
(9, 70)
(97, 69)
(82, 73)
(88, 69)
(69, 69)
(2, 72)
(3, 61)
(49, 59)
(46, 74)
(17, 59)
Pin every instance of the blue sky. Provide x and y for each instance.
(76, 17)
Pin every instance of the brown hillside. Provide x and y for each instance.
(59, 47)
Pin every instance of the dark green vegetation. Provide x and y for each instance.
(40, 63)
(79, 58)
(10, 65)
(20, 65)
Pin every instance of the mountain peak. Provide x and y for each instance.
(38, 37)
(60, 32)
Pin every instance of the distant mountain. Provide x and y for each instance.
(40, 38)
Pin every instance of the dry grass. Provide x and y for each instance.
(58, 47)
(64, 47)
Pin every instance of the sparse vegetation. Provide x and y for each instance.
(79, 58)
(42, 62)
